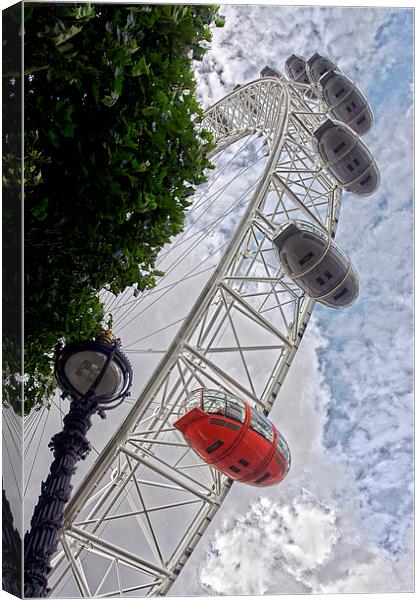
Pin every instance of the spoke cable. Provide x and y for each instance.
(175, 264)
(211, 226)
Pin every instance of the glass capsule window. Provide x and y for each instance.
(370, 182)
(304, 259)
(366, 179)
(214, 402)
(193, 400)
(261, 425)
(336, 87)
(235, 410)
(287, 267)
(340, 147)
(304, 226)
(359, 159)
(351, 106)
(317, 238)
(314, 232)
(283, 448)
(335, 142)
(303, 251)
(346, 294)
(300, 254)
(233, 399)
(320, 65)
(294, 65)
(363, 121)
(330, 271)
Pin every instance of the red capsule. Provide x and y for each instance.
(233, 437)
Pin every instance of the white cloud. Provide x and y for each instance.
(294, 538)
(304, 546)
(357, 448)
(369, 363)
(257, 35)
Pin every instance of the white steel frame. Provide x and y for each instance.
(116, 539)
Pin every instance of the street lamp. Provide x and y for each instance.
(96, 368)
(97, 377)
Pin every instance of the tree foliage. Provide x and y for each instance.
(113, 149)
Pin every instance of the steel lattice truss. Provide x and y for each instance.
(148, 499)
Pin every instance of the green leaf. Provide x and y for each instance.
(85, 11)
(68, 130)
(95, 91)
(111, 99)
(142, 167)
(198, 52)
(140, 68)
(149, 111)
(40, 211)
(66, 35)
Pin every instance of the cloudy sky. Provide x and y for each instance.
(342, 519)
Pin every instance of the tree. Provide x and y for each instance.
(113, 149)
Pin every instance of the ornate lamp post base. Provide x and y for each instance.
(69, 446)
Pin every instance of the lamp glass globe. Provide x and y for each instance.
(82, 369)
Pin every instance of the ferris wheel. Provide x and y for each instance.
(148, 498)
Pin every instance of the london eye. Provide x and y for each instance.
(246, 318)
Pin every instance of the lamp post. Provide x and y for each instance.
(97, 377)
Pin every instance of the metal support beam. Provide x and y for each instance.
(168, 475)
(114, 551)
(255, 315)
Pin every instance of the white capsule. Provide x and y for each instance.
(319, 65)
(316, 264)
(346, 102)
(347, 158)
(270, 72)
(296, 69)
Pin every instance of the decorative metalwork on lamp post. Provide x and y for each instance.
(97, 377)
